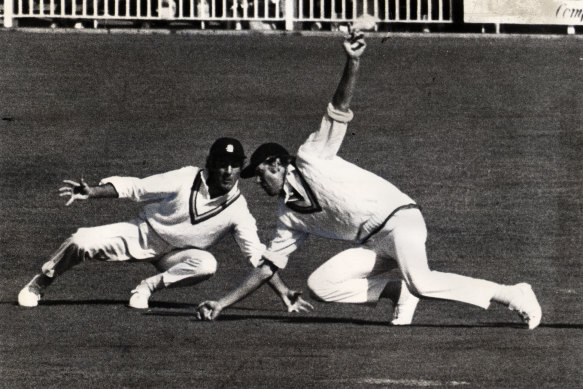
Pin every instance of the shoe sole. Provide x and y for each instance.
(137, 305)
(27, 305)
(28, 302)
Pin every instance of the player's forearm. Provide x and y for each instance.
(254, 280)
(102, 191)
(345, 90)
(277, 284)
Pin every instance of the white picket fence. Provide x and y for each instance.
(289, 12)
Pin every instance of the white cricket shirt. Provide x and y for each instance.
(328, 196)
(184, 215)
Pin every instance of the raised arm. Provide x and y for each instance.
(354, 46)
(326, 141)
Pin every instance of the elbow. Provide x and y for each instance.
(266, 271)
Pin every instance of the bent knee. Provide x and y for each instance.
(80, 241)
(314, 282)
(320, 288)
(205, 264)
(209, 267)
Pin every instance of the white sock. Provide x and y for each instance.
(153, 283)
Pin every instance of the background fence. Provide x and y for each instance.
(286, 12)
(410, 15)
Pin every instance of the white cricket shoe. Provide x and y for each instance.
(30, 295)
(405, 308)
(140, 296)
(526, 305)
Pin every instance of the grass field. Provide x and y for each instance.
(485, 133)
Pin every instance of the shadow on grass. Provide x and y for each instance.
(163, 308)
(343, 320)
(48, 303)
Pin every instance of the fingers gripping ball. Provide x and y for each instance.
(354, 44)
(204, 313)
(208, 310)
(357, 41)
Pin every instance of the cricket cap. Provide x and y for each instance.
(227, 149)
(263, 152)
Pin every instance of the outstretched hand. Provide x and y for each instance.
(354, 43)
(75, 191)
(208, 310)
(295, 303)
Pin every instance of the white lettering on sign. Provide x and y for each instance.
(565, 12)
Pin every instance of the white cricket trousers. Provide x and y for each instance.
(133, 241)
(356, 275)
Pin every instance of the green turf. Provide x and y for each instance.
(484, 133)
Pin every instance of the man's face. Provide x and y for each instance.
(223, 176)
(271, 176)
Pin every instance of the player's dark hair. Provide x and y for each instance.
(283, 159)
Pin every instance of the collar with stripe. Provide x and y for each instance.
(298, 196)
(200, 188)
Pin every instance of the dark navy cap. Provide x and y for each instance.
(263, 152)
(227, 149)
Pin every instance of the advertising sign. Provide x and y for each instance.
(564, 12)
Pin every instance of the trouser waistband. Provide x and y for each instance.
(382, 225)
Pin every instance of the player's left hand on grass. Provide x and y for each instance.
(75, 191)
(208, 310)
(295, 303)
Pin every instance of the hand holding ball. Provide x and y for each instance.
(204, 313)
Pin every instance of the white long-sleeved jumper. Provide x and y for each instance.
(329, 196)
(184, 215)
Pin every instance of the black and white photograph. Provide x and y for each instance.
(291, 194)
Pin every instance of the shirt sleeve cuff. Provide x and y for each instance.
(117, 183)
(278, 260)
(338, 115)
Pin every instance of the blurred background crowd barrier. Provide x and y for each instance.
(393, 15)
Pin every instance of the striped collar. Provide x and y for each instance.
(298, 196)
(202, 207)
